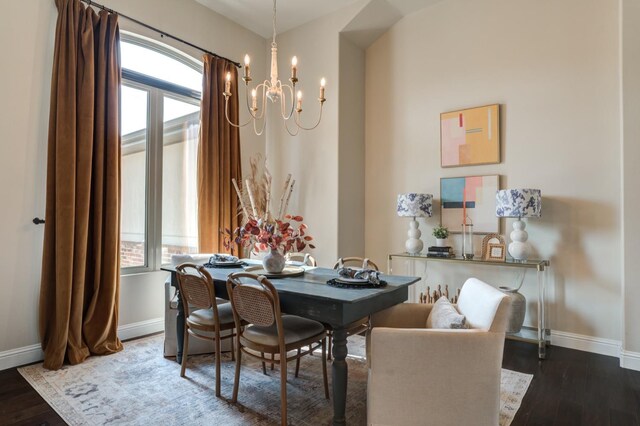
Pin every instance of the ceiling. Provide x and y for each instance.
(256, 14)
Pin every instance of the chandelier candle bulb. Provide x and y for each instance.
(254, 100)
(323, 82)
(294, 69)
(299, 107)
(247, 69)
(227, 84)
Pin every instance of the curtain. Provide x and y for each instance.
(80, 282)
(218, 156)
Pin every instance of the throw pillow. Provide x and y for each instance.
(444, 315)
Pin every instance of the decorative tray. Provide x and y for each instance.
(288, 271)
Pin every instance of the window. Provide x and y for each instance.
(160, 110)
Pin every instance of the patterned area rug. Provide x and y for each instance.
(139, 386)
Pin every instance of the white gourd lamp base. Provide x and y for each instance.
(414, 244)
(519, 248)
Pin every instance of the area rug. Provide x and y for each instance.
(138, 386)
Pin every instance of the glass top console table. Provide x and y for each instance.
(541, 333)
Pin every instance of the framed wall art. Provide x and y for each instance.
(470, 136)
(472, 196)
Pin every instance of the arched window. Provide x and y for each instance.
(160, 116)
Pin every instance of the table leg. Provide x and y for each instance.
(339, 373)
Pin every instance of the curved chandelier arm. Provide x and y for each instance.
(284, 101)
(292, 133)
(255, 129)
(226, 114)
(297, 119)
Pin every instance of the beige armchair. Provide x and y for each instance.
(421, 376)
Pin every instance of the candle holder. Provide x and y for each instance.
(467, 238)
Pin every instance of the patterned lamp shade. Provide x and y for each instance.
(519, 203)
(415, 205)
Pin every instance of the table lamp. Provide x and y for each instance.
(519, 203)
(414, 205)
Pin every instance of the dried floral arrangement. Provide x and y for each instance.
(261, 227)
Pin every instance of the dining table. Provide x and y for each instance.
(309, 296)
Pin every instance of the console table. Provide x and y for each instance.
(541, 333)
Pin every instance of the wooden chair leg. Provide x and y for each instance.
(324, 369)
(233, 350)
(185, 351)
(298, 363)
(218, 354)
(273, 356)
(236, 380)
(264, 365)
(283, 389)
(329, 338)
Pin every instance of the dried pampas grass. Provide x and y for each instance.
(254, 196)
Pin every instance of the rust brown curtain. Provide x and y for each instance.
(79, 291)
(218, 156)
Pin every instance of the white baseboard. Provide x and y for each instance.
(142, 328)
(20, 356)
(630, 360)
(581, 342)
(33, 353)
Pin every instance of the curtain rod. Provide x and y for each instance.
(162, 33)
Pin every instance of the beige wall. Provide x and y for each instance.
(351, 163)
(27, 30)
(24, 109)
(631, 174)
(553, 66)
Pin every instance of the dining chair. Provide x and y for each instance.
(205, 314)
(362, 324)
(305, 258)
(364, 263)
(255, 300)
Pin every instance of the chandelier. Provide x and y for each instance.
(275, 91)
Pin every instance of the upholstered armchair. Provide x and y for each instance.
(421, 376)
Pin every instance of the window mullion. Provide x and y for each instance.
(154, 204)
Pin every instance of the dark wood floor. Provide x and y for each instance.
(574, 388)
(569, 388)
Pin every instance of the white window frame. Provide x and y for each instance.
(157, 90)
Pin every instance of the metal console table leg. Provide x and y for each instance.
(543, 330)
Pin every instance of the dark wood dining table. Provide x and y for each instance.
(311, 297)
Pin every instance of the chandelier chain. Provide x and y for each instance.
(273, 42)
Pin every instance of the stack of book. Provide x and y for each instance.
(440, 251)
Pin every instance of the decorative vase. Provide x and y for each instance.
(441, 242)
(518, 309)
(273, 262)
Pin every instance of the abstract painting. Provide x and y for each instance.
(472, 196)
(470, 136)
